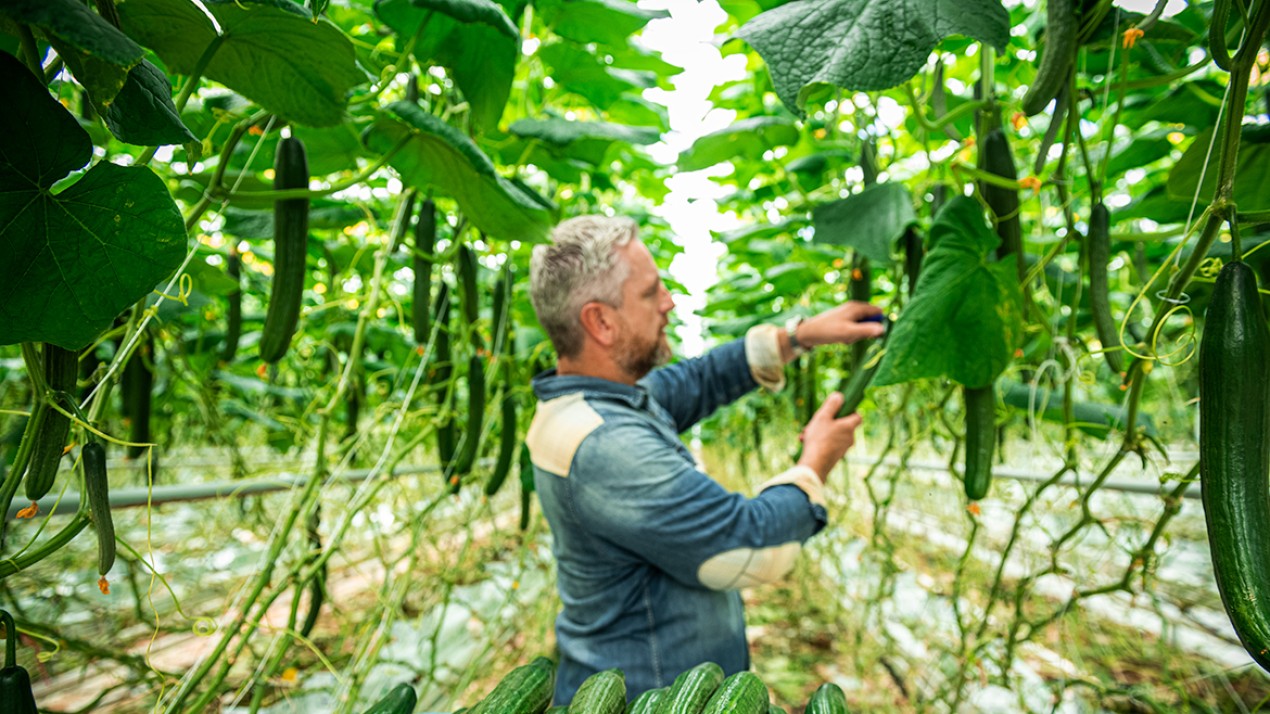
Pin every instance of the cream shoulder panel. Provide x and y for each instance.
(557, 430)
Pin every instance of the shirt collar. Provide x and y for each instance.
(549, 385)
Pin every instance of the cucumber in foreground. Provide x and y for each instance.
(1234, 448)
(601, 693)
(828, 699)
(741, 693)
(691, 690)
(526, 690)
(399, 700)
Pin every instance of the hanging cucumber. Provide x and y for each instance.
(234, 313)
(469, 297)
(60, 369)
(1099, 300)
(15, 682)
(1234, 452)
(860, 288)
(97, 488)
(853, 387)
(425, 244)
(317, 587)
(475, 420)
(290, 243)
(981, 439)
(995, 157)
(442, 359)
(137, 387)
(1061, 29)
(505, 346)
(914, 251)
(526, 486)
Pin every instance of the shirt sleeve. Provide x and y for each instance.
(633, 489)
(693, 389)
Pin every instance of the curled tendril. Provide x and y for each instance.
(204, 627)
(1209, 268)
(1186, 343)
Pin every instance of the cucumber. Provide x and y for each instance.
(828, 699)
(290, 243)
(647, 702)
(507, 436)
(60, 369)
(137, 385)
(475, 420)
(853, 387)
(995, 157)
(526, 486)
(440, 379)
(97, 488)
(776, 710)
(914, 251)
(601, 693)
(981, 440)
(859, 288)
(525, 690)
(691, 690)
(469, 297)
(741, 693)
(234, 313)
(399, 700)
(425, 244)
(1061, 28)
(1234, 452)
(1099, 300)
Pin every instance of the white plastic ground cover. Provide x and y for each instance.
(458, 628)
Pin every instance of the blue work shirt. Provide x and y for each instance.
(650, 551)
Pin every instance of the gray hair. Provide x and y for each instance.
(578, 266)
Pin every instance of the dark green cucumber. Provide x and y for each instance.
(15, 681)
(442, 358)
(1099, 299)
(860, 288)
(97, 488)
(290, 244)
(525, 690)
(741, 693)
(475, 419)
(469, 297)
(981, 440)
(601, 693)
(526, 486)
(60, 369)
(399, 700)
(1061, 29)
(317, 587)
(692, 689)
(425, 244)
(647, 702)
(776, 710)
(507, 436)
(827, 699)
(914, 251)
(995, 157)
(137, 387)
(1234, 452)
(504, 329)
(234, 312)
(853, 387)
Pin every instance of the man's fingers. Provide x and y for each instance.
(850, 421)
(856, 311)
(864, 331)
(829, 408)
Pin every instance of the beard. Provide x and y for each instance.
(638, 357)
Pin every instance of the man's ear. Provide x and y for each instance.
(597, 320)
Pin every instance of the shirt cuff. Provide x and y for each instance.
(802, 477)
(763, 353)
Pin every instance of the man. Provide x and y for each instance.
(650, 551)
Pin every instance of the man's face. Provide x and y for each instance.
(644, 314)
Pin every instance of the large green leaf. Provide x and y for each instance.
(586, 141)
(485, 12)
(965, 319)
(864, 45)
(271, 51)
(1252, 170)
(870, 221)
(609, 22)
(143, 112)
(481, 58)
(586, 75)
(437, 156)
(746, 139)
(331, 149)
(72, 261)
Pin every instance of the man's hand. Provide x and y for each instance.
(826, 438)
(841, 325)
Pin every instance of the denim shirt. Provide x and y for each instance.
(650, 551)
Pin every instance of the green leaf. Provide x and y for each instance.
(75, 25)
(143, 112)
(965, 319)
(481, 59)
(72, 261)
(100, 78)
(437, 156)
(584, 74)
(870, 221)
(746, 139)
(608, 22)
(586, 141)
(324, 214)
(1252, 171)
(485, 12)
(270, 51)
(863, 45)
(330, 149)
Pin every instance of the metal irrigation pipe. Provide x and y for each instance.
(1152, 489)
(134, 497)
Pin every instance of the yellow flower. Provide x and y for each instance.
(1031, 183)
(1131, 36)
